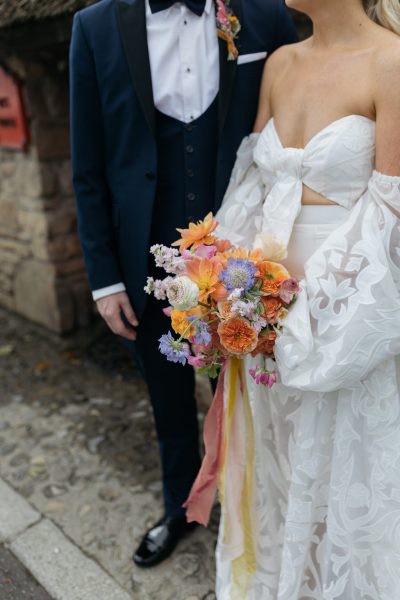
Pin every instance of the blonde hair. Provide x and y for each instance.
(385, 12)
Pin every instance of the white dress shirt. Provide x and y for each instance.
(184, 63)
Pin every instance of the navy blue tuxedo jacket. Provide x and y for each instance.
(114, 151)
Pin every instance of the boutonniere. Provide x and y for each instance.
(228, 27)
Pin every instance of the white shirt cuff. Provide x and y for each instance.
(107, 291)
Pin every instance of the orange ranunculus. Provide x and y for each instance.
(225, 309)
(237, 336)
(271, 308)
(204, 272)
(180, 323)
(265, 344)
(273, 274)
(197, 234)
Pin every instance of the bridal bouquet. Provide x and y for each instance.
(225, 301)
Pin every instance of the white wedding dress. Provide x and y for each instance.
(326, 504)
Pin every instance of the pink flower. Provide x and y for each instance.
(222, 14)
(262, 376)
(288, 289)
(197, 361)
(167, 311)
(206, 251)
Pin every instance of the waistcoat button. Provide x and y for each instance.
(190, 173)
(191, 196)
(150, 175)
(189, 149)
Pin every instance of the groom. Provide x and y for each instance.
(158, 112)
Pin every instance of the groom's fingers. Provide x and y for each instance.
(129, 312)
(110, 309)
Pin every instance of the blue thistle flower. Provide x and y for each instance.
(239, 273)
(174, 350)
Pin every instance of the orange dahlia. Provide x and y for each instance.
(273, 275)
(265, 344)
(197, 234)
(237, 336)
(204, 272)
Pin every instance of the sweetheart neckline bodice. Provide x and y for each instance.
(331, 125)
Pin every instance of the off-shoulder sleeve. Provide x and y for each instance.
(347, 318)
(241, 211)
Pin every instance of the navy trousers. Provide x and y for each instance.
(185, 192)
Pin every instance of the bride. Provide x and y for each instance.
(321, 177)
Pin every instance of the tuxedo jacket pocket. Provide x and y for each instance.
(243, 59)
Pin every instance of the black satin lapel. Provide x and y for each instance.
(132, 23)
(227, 70)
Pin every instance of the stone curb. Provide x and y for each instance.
(63, 570)
(16, 514)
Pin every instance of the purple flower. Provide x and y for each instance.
(261, 375)
(174, 350)
(289, 288)
(239, 273)
(202, 336)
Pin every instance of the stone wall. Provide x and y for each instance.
(41, 268)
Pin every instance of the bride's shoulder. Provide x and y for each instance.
(285, 55)
(386, 54)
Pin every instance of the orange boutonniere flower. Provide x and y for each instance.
(237, 336)
(228, 27)
(197, 234)
(273, 274)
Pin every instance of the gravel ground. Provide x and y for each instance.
(77, 440)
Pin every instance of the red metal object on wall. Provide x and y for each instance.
(13, 125)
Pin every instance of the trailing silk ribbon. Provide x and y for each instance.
(202, 496)
(229, 464)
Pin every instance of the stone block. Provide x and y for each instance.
(65, 178)
(32, 224)
(8, 217)
(62, 220)
(51, 139)
(39, 298)
(16, 514)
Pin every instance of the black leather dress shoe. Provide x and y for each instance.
(160, 541)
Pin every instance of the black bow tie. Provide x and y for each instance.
(196, 6)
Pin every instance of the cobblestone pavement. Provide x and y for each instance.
(77, 441)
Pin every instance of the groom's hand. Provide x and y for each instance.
(110, 308)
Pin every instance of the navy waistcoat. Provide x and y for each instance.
(187, 156)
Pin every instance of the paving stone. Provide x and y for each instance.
(63, 570)
(15, 513)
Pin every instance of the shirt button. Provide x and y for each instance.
(191, 197)
(185, 22)
(189, 149)
(190, 173)
(188, 70)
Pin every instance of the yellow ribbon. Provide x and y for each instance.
(244, 566)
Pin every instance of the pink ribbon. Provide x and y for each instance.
(202, 495)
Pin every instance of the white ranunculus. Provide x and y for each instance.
(183, 293)
(271, 247)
